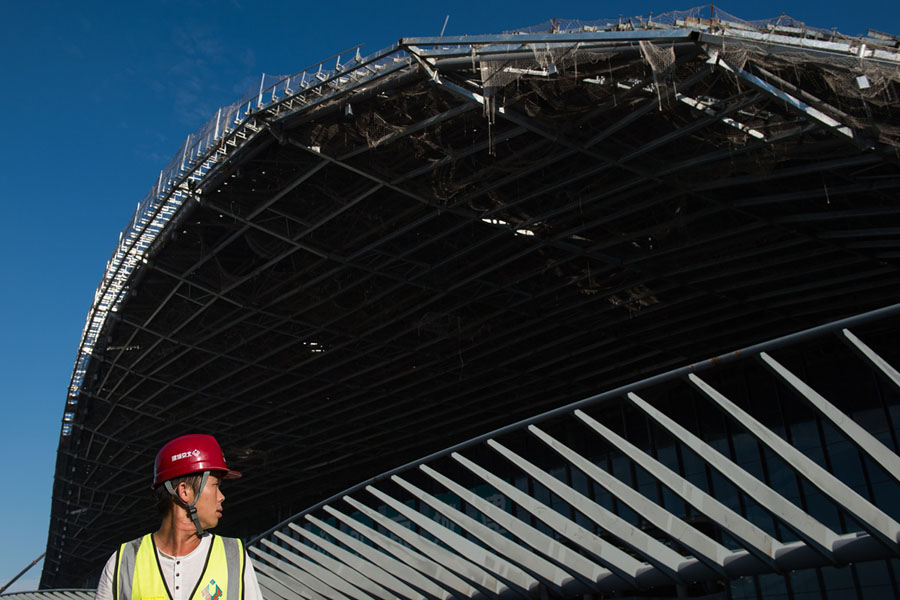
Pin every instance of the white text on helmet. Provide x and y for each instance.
(194, 453)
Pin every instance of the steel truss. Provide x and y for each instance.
(360, 264)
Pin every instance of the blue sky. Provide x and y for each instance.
(97, 97)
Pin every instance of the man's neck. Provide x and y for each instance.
(176, 537)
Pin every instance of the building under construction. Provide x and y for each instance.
(453, 309)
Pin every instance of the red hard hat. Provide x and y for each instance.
(193, 453)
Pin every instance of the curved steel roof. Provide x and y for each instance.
(366, 263)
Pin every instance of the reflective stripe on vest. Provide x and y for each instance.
(139, 576)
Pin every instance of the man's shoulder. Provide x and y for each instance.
(120, 548)
(135, 541)
(230, 540)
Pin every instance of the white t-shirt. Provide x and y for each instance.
(181, 574)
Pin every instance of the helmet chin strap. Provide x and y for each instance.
(192, 505)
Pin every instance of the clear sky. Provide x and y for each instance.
(97, 97)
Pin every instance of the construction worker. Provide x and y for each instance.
(181, 560)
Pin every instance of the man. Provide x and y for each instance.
(181, 560)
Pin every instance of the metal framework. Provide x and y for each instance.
(359, 265)
(438, 538)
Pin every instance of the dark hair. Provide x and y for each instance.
(166, 501)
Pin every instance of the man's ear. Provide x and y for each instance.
(184, 492)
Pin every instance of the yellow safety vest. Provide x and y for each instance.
(138, 575)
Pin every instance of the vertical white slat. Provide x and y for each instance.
(520, 580)
(812, 531)
(405, 574)
(303, 564)
(374, 564)
(873, 519)
(873, 356)
(705, 548)
(661, 556)
(272, 590)
(586, 569)
(431, 558)
(338, 567)
(867, 442)
(757, 541)
(505, 547)
(289, 587)
(620, 562)
(300, 575)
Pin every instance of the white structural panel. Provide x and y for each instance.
(810, 529)
(431, 556)
(867, 442)
(708, 548)
(617, 560)
(479, 529)
(873, 519)
(489, 519)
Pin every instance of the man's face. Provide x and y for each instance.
(209, 506)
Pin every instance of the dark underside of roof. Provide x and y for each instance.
(358, 287)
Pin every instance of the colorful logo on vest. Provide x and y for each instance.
(211, 591)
